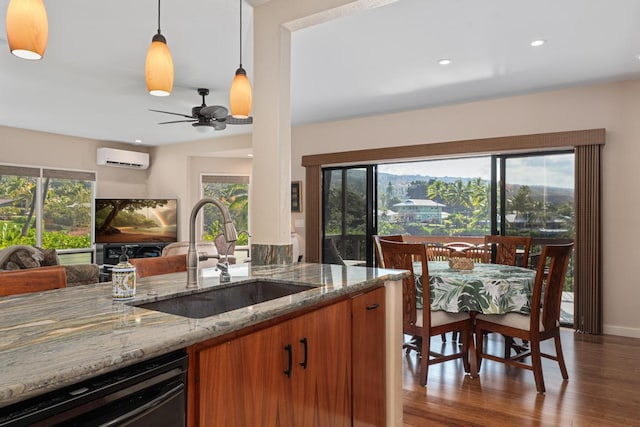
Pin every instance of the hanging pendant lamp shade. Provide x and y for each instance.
(240, 93)
(27, 28)
(159, 65)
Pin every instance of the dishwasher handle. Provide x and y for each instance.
(146, 408)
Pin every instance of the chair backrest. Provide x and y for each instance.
(28, 280)
(376, 245)
(438, 253)
(480, 253)
(506, 249)
(159, 265)
(547, 288)
(401, 256)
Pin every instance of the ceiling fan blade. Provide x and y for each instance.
(178, 121)
(235, 121)
(175, 114)
(216, 111)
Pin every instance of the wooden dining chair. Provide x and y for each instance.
(424, 323)
(376, 245)
(13, 282)
(508, 249)
(159, 265)
(478, 253)
(438, 253)
(542, 324)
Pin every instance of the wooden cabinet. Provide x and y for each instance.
(323, 368)
(368, 352)
(296, 373)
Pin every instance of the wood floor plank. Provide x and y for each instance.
(603, 388)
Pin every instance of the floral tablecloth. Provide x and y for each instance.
(488, 288)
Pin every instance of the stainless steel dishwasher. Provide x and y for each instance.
(151, 393)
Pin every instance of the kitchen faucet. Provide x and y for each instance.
(230, 235)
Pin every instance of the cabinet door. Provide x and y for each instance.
(322, 376)
(368, 325)
(242, 382)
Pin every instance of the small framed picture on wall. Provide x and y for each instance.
(296, 196)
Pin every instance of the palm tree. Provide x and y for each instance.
(457, 195)
(436, 191)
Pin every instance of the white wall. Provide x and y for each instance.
(24, 147)
(178, 167)
(614, 106)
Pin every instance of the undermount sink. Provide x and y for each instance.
(220, 300)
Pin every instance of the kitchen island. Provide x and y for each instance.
(58, 338)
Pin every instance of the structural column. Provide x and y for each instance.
(270, 211)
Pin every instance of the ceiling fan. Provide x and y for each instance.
(215, 116)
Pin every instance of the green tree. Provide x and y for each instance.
(436, 191)
(417, 190)
(521, 204)
(236, 198)
(457, 196)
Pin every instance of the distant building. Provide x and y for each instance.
(420, 210)
(388, 215)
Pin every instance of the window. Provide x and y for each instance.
(233, 191)
(455, 197)
(435, 198)
(49, 208)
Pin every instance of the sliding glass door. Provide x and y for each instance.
(539, 200)
(528, 194)
(348, 204)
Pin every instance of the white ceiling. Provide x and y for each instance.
(91, 80)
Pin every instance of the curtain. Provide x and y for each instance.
(588, 250)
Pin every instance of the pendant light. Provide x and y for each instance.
(27, 28)
(159, 66)
(240, 93)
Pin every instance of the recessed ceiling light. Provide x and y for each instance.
(138, 141)
(538, 42)
(444, 61)
(249, 155)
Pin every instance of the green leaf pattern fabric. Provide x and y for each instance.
(488, 288)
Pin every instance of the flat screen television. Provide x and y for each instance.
(136, 220)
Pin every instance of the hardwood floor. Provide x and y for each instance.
(603, 388)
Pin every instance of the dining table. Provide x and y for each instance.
(487, 288)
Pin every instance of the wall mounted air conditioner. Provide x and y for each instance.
(122, 158)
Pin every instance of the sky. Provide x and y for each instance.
(553, 170)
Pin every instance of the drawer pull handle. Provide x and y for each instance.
(303, 341)
(373, 306)
(287, 348)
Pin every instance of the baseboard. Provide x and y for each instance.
(621, 331)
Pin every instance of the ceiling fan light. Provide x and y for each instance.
(240, 95)
(27, 28)
(159, 67)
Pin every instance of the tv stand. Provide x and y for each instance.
(111, 252)
(108, 255)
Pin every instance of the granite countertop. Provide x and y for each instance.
(56, 338)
